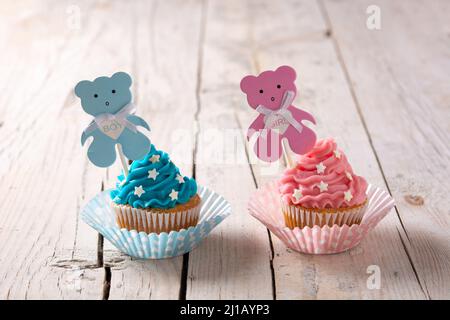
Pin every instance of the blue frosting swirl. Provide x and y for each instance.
(167, 190)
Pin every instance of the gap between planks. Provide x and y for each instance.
(198, 87)
(340, 58)
(247, 155)
(182, 276)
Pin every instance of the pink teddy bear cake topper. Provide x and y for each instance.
(271, 93)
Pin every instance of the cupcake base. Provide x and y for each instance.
(158, 220)
(99, 214)
(298, 216)
(265, 206)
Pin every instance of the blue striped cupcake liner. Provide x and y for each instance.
(99, 214)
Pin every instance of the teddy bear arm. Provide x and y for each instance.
(138, 121)
(300, 114)
(85, 136)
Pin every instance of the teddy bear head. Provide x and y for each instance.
(268, 88)
(105, 95)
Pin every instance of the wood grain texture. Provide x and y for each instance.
(301, 39)
(165, 91)
(382, 94)
(43, 169)
(406, 107)
(233, 262)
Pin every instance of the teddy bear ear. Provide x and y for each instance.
(247, 83)
(123, 77)
(82, 87)
(287, 72)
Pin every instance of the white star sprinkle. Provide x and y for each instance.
(323, 186)
(348, 195)
(180, 178)
(139, 191)
(152, 174)
(349, 176)
(337, 153)
(320, 168)
(297, 194)
(154, 158)
(173, 195)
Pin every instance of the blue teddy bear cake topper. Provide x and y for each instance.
(109, 101)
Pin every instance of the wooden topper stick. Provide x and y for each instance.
(286, 155)
(122, 160)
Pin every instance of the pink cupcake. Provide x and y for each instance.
(322, 189)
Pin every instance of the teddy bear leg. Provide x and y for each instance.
(300, 142)
(135, 146)
(269, 148)
(101, 151)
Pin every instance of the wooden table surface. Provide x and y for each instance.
(383, 94)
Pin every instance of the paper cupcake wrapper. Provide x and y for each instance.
(99, 214)
(302, 217)
(152, 221)
(266, 207)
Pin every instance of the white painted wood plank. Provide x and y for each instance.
(233, 261)
(164, 53)
(400, 76)
(49, 253)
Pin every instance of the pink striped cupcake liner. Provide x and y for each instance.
(265, 205)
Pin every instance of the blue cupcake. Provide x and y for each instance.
(155, 197)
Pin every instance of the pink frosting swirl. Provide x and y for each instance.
(322, 178)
